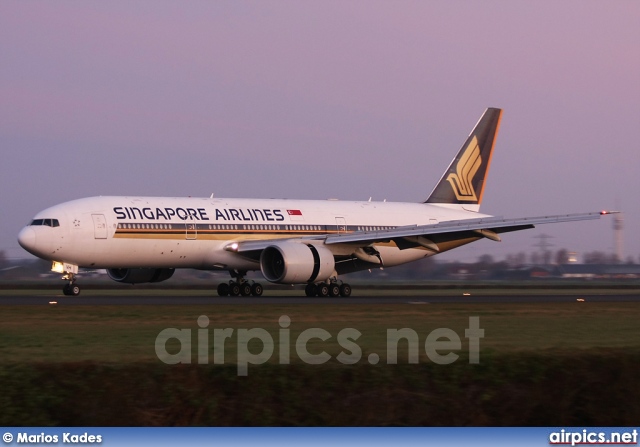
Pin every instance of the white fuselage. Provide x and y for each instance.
(163, 232)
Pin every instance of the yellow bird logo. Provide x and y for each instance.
(466, 169)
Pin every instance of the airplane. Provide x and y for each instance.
(312, 242)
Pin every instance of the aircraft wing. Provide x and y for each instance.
(488, 227)
(413, 236)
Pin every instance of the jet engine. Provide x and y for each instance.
(138, 276)
(296, 263)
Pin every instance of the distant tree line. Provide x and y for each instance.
(486, 266)
(562, 257)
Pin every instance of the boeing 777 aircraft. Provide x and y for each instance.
(144, 239)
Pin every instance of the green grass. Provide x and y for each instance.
(589, 388)
(127, 333)
(554, 364)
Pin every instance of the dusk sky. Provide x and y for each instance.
(330, 99)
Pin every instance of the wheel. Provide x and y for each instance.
(322, 290)
(310, 290)
(245, 289)
(223, 289)
(345, 290)
(71, 290)
(234, 289)
(257, 289)
(334, 290)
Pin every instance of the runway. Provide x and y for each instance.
(95, 298)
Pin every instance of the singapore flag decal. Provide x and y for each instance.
(295, 215)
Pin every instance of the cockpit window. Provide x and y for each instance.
(45, 222)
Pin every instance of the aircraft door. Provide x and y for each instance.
(99, 226)
(341, 225)
(192, 231)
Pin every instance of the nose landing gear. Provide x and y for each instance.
(69, 272)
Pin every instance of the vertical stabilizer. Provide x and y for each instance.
(462, 184)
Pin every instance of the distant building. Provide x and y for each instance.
(605, 271)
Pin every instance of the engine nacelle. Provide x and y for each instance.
(296, 263)
(138, 276)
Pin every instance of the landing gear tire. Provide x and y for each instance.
(257, 289)
(223, 289)
(322, 290)
(333, 290)
(234, 289)
(71, 290)
(245, 289)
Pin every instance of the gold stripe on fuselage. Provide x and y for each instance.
(225, 235)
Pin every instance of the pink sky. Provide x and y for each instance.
(325, 99)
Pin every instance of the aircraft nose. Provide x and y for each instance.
(27, 239)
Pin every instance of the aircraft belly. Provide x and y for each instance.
(144, 253)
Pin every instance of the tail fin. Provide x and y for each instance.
(462, 184)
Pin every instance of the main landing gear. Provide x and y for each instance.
(332, 289)
(240, 286)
